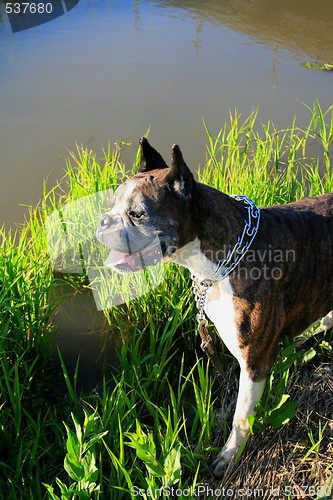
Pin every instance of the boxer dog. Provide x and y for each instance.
(281, 287)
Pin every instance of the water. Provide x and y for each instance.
(109, 70)
(83, 332)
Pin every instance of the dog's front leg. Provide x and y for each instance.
(249, 395)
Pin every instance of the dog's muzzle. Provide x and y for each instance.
(131, 250)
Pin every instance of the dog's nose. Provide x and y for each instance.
(104, 222)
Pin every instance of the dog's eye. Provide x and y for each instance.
(136, 215)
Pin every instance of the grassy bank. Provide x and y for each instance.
(156, 418)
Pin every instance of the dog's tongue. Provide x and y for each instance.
(134, 262)
(116, 258)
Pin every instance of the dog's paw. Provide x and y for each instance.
(219, 466)
(327, 321)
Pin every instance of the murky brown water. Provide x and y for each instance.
(83, 332)
(107, 71)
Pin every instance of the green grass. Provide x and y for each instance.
(153, 422)
(317, 65)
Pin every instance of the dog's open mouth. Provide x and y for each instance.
(132, 262)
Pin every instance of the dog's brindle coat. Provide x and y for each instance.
(196, 224)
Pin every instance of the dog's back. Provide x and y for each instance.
(319, 205)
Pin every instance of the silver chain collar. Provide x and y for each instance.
(233, 258)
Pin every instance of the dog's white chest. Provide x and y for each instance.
(219, 304)
(221, 311)
(219, 301)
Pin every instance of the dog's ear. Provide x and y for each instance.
(150, 159)
(179, 176)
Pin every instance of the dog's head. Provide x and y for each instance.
(151, 216)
